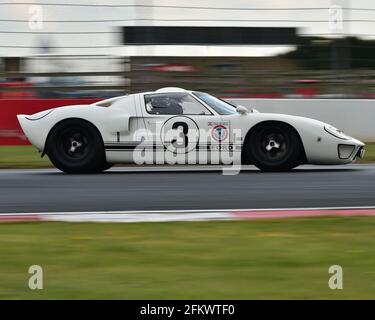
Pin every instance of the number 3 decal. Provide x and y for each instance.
(185, 131)
(180, 134)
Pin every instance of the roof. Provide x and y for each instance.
(170, 89)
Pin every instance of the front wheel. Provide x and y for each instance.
(274, 147)
(76, 146)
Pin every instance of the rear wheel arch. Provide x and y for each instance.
(89, 158)
(67, 120)
(244, 156)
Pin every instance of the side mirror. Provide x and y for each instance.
(242, 110)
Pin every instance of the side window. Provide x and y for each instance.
(174, 104)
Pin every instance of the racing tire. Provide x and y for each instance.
(76, 146)
(274, 147)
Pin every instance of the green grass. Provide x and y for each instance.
(22, 157)
(29, 157)
(275, 259)
(370, 152)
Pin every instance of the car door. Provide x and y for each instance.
(180, 127)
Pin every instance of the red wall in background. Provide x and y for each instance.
(10, 131)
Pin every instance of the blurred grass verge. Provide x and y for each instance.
(13, 157)
(273, 259)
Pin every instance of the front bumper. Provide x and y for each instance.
(349, 152)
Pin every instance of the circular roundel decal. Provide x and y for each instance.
(180, 134)
(219, 132)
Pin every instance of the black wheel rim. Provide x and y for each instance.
(273, 145)
(74, 144)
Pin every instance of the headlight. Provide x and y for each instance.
(336, 132)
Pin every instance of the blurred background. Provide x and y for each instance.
(96, 49)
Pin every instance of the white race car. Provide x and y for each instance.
(173, 125)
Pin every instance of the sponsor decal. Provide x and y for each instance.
(219, 132)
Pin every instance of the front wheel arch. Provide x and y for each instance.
(245, 157)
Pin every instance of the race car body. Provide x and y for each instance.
(173, 125)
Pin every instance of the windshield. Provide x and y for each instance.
(220, 106)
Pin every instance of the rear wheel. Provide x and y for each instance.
(76, 146)
(274, 147)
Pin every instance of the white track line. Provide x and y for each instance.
(187, 215)
(182, 211)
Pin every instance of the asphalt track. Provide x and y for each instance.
(27, 191)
